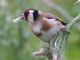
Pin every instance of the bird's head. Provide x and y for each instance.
(29, 15)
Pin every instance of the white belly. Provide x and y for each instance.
(49, 35)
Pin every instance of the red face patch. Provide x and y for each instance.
(26, 12)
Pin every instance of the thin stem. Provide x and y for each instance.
(73, 21)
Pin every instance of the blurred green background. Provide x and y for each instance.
(17, 42)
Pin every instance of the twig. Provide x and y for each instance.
(73, 21)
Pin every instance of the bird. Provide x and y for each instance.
(45, 26)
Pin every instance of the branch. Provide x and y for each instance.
(73, 21)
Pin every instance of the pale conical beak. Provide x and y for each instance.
(17, 19)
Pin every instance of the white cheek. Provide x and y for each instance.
(30, 18)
